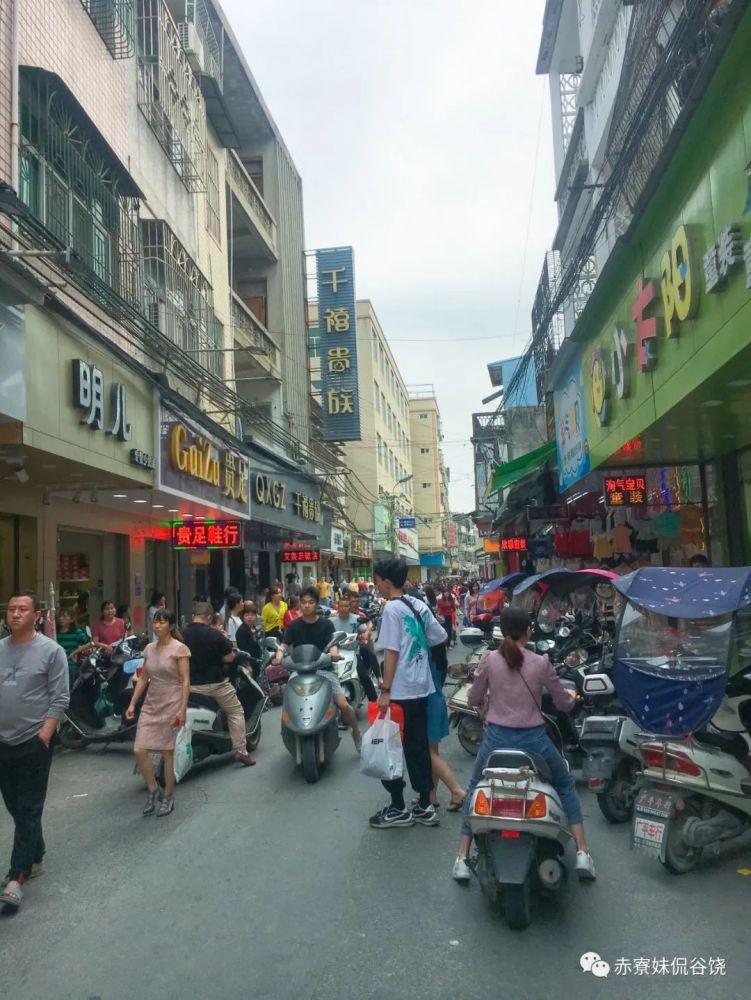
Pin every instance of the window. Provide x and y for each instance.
(113, 19)
(314, 342)
(426, 486)
(213, 216)
(383, 405)
(376, 398)
(71, 185)
(424, 451)
(423, 416)
(379, 447)
(374, 346)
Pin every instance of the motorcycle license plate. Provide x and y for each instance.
(653, 803)
(648, 835)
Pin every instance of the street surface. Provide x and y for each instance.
(262, 886)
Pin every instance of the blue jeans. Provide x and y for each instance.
(536, 740)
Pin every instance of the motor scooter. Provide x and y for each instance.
(100, 695)
(520, 831)
(310, 716)
(683, 671)
(210, 733)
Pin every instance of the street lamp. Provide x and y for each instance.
(392, 511)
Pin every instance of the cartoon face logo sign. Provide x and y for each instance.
(600, 381)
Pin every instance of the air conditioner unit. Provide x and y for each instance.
(192, 44)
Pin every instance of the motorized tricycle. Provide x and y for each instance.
(682, 669)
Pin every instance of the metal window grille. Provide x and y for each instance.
(113, 19)
(179, 299)
(69, 186)
(213, 216)
(199, 40)
(169, 95)
(569, 88)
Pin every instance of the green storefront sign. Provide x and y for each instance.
(664, 345)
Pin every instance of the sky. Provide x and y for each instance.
(422, 136)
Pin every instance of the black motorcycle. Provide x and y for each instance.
(100, 695)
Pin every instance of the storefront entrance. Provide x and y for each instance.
(92, 567)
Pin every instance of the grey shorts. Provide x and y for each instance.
(330, 676)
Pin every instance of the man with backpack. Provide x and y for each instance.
(408, 629)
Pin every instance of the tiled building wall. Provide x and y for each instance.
(58, 35)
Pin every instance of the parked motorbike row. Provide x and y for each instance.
(663, 723)
(310, 722)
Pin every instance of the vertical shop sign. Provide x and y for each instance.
(572, 442)
(337, 320)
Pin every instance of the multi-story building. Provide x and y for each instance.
(151, 234)
(430, 478)
(378, 487)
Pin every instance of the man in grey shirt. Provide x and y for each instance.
(33, 699)
(345, 620)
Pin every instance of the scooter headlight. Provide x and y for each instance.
(305, 688)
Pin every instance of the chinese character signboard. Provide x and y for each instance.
(294, 552)
(625, 491)
(197, 464)
(337, 320)
(207, 534)
(513, 545)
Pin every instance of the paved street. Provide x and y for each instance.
(260, 885)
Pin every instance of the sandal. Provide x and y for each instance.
(168, 804)
(12, 896)
(37, 869)
(456, 805)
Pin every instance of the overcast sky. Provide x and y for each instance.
(414, 126)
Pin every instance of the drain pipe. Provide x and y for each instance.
(15, 126)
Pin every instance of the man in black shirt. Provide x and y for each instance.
(210, 650)
(310, 630)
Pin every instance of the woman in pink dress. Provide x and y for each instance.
(167, 674)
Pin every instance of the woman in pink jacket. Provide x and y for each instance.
(511, 680)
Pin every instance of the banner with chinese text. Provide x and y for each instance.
(337, 321)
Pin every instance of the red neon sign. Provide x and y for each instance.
(207, 534)
(625, 491)
(513, 545)
(294, 552)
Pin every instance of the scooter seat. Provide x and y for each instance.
(202, 701)
(514, 759)
(732, 743)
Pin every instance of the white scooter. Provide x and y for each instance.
(520, 832)
(612, 767)
(696, 795)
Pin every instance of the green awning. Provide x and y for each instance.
(510, 472)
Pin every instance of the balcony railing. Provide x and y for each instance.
(169, 95)
(251, 199)
(258, 337)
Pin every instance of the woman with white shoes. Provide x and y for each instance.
(511, 680)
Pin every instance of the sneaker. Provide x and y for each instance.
(585, 866)
(151, 800)
(168, 804)
(390, 816)
(461, 871)
(427, 816)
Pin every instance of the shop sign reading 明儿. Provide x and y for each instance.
(88, 396)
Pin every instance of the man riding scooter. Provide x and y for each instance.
(210, 652)
(310, 630)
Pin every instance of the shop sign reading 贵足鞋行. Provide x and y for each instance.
(196, 464)
(337, 324)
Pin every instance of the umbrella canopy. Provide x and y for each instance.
(510, 580)
(688, 593)
(550, 578)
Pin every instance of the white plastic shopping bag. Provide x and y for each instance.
(381, 754)
(183, 751)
